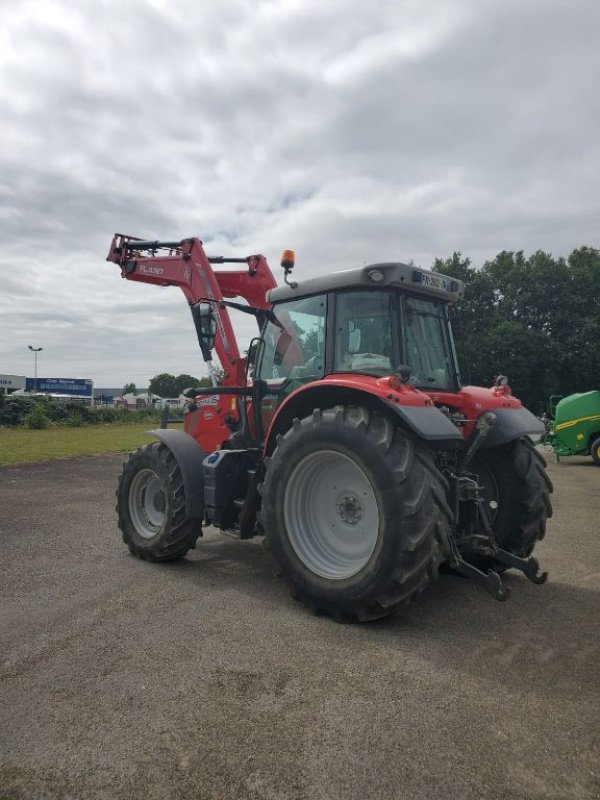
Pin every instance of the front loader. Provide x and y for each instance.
(346, 437)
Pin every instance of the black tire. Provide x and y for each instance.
(517, 495)
(595, 452)
(151, 506)
(413, 517)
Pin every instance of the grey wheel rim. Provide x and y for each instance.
(331, 515)
(147, 503)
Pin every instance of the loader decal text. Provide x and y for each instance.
(150, 270)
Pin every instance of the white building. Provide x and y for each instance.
(136, 402)
(10, 383)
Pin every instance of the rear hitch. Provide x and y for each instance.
(530, 567)
(487, 546)
(466, 490)
(490, 580)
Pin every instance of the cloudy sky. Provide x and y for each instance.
(350, 131)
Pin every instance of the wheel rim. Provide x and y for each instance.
(147, 503)
(331, 515)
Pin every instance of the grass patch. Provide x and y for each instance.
(19, 444)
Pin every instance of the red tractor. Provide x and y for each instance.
(345, 437)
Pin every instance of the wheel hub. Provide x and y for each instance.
(147, 503)
(350, 509)
(331, 514)
(159, 502)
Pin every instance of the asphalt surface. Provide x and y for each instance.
(204, 679)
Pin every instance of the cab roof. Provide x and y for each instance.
(375, 276)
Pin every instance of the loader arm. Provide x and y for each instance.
(185, 264)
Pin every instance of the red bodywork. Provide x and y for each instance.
(187, 266)
(470, 401)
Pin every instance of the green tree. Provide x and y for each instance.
(129, 388)
(536, 319)
(164, 385)
(167, 385)
(184, 381)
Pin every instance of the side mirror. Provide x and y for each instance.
(206, 327)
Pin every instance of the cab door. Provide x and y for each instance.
(292, 352)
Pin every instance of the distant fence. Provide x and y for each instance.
(167, 418)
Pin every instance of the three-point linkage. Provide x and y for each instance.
(480, 536)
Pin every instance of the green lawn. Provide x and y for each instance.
(17, 445)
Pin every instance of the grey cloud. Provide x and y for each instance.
(351, 132)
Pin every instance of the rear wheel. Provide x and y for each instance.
(516, 491)
(151, 506)
(355, 512)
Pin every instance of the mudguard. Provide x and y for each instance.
(428, 423)
(189, 456)
(511, 424)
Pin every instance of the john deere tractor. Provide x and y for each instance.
(347, 438)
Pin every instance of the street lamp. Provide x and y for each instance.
(35, 351)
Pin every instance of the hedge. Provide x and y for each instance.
(40, 412)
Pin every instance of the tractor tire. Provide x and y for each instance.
(595, 452)
(517, 492)
(355, 512)
(151, 506)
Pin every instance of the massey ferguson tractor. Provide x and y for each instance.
(345, 436)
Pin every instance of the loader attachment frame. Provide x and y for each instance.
(185, 264)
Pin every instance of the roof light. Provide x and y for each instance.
(287, 260)
(376, 275)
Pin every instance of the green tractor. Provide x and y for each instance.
(575, 430)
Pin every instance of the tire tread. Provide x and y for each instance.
(421, 531)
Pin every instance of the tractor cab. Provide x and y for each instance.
(369, 322)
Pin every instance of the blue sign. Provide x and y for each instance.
(76, 387)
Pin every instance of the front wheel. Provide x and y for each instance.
(355, 513)
(595, 452)
(151, 506)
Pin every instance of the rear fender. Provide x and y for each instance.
(427, 422)
(189, 456)
(511, 424)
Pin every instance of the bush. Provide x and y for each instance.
(36, 417)
(13, 409)
(74, 420)
(16, 411)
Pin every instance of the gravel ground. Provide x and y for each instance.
(204, 679)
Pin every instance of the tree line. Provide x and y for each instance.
(535, 319)
(167, 385)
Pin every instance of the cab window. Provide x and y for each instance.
(428, 349)
(295, 346)
(363, 332)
